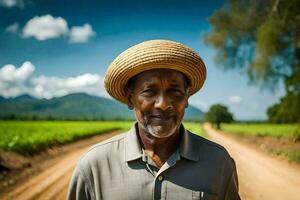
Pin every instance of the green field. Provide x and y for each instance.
(30, 137)
(289, 131)
(195, 128)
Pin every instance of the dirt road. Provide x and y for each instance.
(260, 176)
(52, 183)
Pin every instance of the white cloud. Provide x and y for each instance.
(45, 27)
(9, 73)
(13, 28)
(81, 34)
(17, 81)
(235, 99)
(83, 80)
(12, 3)
(14, 81)
(48, 27)
(48, 87)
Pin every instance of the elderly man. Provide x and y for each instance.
(158, 158)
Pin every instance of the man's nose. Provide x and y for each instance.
(163, 102)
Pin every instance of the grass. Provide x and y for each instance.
(30, 137)
(195, 128)
(293, 156)
(277, 131)
(289, 131)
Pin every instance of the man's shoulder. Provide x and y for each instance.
(106, 148)
(103, 144)
(209, 148)
(207, 142)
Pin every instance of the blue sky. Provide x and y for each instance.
(52, 48)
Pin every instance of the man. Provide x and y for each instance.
(158, 158)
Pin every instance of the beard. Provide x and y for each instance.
(159, 130)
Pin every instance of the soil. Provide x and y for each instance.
(276, 147)
(44, 176)
(261, 176)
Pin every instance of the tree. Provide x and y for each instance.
(262, 39)
(217, 114)
(287, 110)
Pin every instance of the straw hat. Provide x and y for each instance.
(154, 54)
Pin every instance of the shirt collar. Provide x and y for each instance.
(188, 147)
(133, 149)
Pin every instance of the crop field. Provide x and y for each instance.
(30, 137)
(289, 131)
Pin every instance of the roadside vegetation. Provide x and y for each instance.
(278, 139)
(31, 137)
(288, 131)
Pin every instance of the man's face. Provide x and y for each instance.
(159, 98)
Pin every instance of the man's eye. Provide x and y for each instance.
(148, 91)
(176, 91)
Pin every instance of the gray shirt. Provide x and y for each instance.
(119, 168)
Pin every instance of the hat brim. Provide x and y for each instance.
(154, 54)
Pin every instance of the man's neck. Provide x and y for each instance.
(159, 149)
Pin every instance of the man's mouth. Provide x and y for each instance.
(162, 117)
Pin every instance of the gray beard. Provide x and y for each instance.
(157, 131)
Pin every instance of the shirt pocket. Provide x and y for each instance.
(198, 195)
(176, 192)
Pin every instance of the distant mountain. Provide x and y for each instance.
(193, 114)
(24, 98)
(2, 99)
(79, 106)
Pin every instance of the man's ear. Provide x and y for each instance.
(188, 96)
(187, 104)
(129, 100)
(130, 105)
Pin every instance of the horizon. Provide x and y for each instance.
(82, 40)
(83, 93)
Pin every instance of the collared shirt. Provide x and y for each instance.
(119, 168)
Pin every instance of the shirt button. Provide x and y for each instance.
(160, 177)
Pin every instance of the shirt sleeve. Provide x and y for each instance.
(79, 188)
(232, 192)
